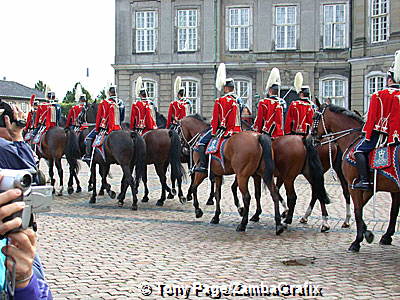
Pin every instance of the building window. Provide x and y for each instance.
(24, 107)
(374, 82)
(333, 91)
(243, 91)
(239, 29)
(285, 27)
(379, 21)
(187, 30)
(334, 26)
(192, 93)
(146, 24)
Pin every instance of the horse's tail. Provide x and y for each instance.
(175, 152)
(72, 151)
(316, 171)
(266, 144)
(140, 156)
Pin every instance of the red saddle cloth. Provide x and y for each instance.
(216, 148)
(385, 160)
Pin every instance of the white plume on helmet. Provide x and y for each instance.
(139, 85)
(274, 78)
(396, 67)
(221, 77)
(78, 92)
(178, 85)
(298, 82)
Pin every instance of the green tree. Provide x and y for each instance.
(40, 86)
(102, 95)
(70, 95)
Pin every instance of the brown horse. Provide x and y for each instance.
(336, 120)
(245, 154)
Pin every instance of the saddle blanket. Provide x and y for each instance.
(216, 148)
(99, 144)
(384, 160)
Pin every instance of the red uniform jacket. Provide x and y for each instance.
(384, 115)
(108, 116)
(142, 117)
(226, 114)
(299, 118)
(30, 121)
(177, 110)
(46, 115)
(73, 114)
(269, 117)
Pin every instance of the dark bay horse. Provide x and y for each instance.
(245, 154)
(334, 119)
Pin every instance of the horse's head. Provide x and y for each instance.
(193, 124)
(320, 123)
(91, 112)
(160, 120)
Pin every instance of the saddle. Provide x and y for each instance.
(38, 137)
(100, 138)
(28, 136)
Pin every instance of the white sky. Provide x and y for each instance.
(55, 41)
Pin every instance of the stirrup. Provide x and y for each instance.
(362, 185)
(200, 169)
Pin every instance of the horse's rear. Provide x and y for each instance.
(54, 143)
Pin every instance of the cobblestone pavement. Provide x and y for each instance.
(101, 251)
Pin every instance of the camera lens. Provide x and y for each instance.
(26, 181)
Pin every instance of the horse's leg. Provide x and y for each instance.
(60, 175)
(210, 200)
(78, 183)
(93, 178)
(70, 188)
(346, 194)
(310, 208)
(146, 190)
(163, 180)
(325, 225)
(234, 188)
(243, 182)
(218, 182)
(291, 199)
(50, 163)
(257, 194)
(104, 184)
(124, 188)
(362, 231)
(196, 180)
(90, 183)
(386, 239)
(182, 198)
(279, 183)
(171, 193)
(102, 187)
(279, 227)
(189, 196)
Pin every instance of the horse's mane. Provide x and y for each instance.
(198, 117)
(346, 112)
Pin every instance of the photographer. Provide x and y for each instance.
(18, 248)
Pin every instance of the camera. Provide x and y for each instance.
(37, 198)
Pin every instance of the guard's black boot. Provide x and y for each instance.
(203, 160)
(363, 168)
(89, 149)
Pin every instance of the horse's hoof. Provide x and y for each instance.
(241, 228)
(280, 229)
(160, 203)
(355, 247)
(173, 192)
(78, 189)
(210, 202)
(288, 221)
(145, 199)
(255, 218)
(325, 228)
(112, 194)
(70, 190)
(120, 197)
(345, 225)
(90, 188)
(369, 236)
(303, 220)
(59, 194)
(182, 200)
(170, 196)
(54, 191)
(101, 193)
(189, 197)
(385, 240)
(134, 207)
(120, 203)
(284, 214)
(241, 211)
(198, 212)
(214, 220)
(92, 200)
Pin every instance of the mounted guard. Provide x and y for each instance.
(107, 120)
(178, 108)
(30, 121)
(299, 118)
(382, 127)
(270, 110)
(75, 118)
(225, 118)
(143, 116)
(46, 117)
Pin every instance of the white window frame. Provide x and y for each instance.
(230, 27)
(249, 98)
(146, 29)
(187, 28)
(345, 88)
(24, 107)
(333, 25)
(196, 107)
(379, 17)
(367, 94)
(145, 82)
(286, 26)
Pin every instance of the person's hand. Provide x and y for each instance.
(15, 131)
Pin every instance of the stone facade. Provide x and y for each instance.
(326, 67)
